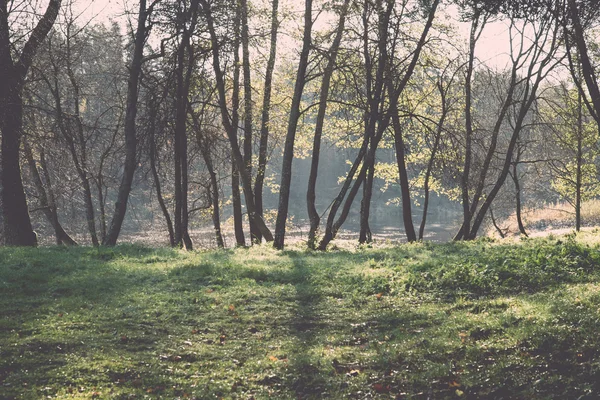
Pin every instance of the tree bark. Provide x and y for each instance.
(266, 110)
(311, 195)
(409, 227)
(288, 149)
(130, 163)
(428, 171)
(255, 236)
(46, 199)
(230, 129)
(16, 224)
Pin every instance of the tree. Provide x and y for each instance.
(230, 129)
(130, 163)
(16, 224)
(294, 117)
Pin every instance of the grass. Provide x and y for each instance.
(469, 320)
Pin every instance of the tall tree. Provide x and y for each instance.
(311, 193)
(266, 112)
(230, 129)
(294, 117)
(135, 69)
(16, 224)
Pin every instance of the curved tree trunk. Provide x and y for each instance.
(46, 198)
(130, 163)
(311, 195)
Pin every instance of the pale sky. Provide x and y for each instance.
(492, 49)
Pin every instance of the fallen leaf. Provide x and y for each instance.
(454, 384)
(381, 388)
(379, 296)
(231, 307)
(273, 358)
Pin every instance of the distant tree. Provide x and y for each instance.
(574, 142)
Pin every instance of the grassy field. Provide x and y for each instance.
(478, 320)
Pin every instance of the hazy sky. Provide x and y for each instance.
(492, 48)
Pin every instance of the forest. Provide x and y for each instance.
(226, 123)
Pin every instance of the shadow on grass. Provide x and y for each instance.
(144, 322)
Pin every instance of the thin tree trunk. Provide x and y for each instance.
(231, 130)
(238, 228)
(498, 229)
(154, 170)
(436, 144)
(266, 109)
(316, 151)
(404, 184)
(236, 198)
(46, 201)
(515, 178)
(288, 148)
(473, 36)
(579, 173)
(255, 236)
(130, 129)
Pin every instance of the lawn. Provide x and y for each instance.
(512, 320)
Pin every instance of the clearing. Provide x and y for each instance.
(488, 319)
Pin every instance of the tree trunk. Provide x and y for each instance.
(214, 195)
(154, 170)
(365, 235)
(236, 199)
(231, 130)
(473, 36)
(16, 224)
(288, 148)
(586, 66)
(409, 228)
(436, 144)
(266, 109)
(130, 128)
(316, 151)
(515, 178)
(579, 173)
(46, 200)
(255, 236)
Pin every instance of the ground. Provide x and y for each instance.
(489, 319)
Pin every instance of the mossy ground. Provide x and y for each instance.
(467, 320)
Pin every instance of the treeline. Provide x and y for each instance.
(206, 106)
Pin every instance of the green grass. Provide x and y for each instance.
(469, 320)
